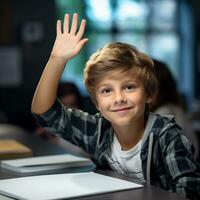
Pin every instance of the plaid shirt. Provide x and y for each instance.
(172, 164)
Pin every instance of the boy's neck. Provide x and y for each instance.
(129, 136)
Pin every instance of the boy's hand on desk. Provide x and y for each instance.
(69, 41)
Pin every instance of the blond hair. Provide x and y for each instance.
(119, 56)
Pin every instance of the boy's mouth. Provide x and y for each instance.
(121, 109)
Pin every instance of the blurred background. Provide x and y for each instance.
(168, 30)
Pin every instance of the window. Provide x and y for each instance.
(151, 26)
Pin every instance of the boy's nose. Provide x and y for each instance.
(120, 98)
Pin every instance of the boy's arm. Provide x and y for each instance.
(67, 45)
(181, 169)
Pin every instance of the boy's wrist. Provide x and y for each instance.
(58, 59)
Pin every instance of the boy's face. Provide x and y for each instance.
(121, 98)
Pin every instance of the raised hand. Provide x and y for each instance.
(69, 41)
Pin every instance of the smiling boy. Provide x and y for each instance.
(123, 136)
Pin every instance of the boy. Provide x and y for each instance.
(123, 136)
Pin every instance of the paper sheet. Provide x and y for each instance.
(58, 186)
(45, 163)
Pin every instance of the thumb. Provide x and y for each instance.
(81, 44)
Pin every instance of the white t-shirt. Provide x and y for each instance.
(126, 162)
(129, 162)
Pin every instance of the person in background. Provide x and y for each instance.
(168, 101)
(123, 136)
(69, 95)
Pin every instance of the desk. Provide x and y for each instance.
(44, 147)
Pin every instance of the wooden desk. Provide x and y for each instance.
(44, 147)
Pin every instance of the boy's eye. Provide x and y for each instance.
(129, 87)
(106, 91)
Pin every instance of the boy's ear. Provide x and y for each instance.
(149, 99)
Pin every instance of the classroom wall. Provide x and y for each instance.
(27, 25)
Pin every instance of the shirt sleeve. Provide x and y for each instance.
(183, 173)
(76, 126)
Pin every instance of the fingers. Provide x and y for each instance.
(58, 27)
(74, 24)
(82, 28)
(66, 24)
(81, 43)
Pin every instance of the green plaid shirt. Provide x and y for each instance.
(173, 167)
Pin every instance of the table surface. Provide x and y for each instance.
(47, 147)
